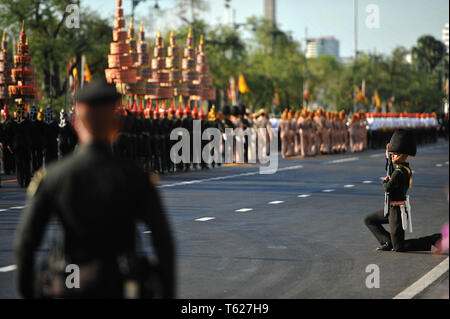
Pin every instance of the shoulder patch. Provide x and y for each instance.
(38, 177)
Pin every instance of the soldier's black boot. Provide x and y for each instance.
(434, 239)
(385, 247)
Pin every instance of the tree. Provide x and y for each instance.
(428, 53)
(53, 44)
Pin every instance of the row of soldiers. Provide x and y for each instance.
(30, 139)
(318, 132)
(145, 135)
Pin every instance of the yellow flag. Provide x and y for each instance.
(87, 73)
(377, 100)
(276, 97)
(243, 88)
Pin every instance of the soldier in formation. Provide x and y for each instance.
(33, 139)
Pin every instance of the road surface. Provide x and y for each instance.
(298, 233)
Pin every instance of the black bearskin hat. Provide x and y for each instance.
(403, 142)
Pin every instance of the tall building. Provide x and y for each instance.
(445, 37)
(316, 47)
(270, 12)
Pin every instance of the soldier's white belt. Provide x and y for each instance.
(405, 211)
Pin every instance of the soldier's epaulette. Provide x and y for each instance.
(38, 177)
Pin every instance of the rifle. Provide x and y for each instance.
(387, 198)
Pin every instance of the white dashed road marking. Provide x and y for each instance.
(343, 160)
(439, 165)
(243, 210)
(349, 186)
(198, 181)
(204, 219)
(276, 202)
(3, 210)
(377, 155)
(18, 207)
(147, 232)
(367, 182)
(328, 190)
(8, 268)
(304, 196)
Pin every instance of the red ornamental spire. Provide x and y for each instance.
(201, 114)
(128, 104)
(134, 109)
(164, 108)
(140, 106)
(187, 110)
(195, 111)
(180, 110)
(172, 107)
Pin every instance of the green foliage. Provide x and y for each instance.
(269, 58)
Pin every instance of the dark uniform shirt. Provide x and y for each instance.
(399, 183)
(98, 199)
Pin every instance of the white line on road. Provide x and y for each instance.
(367, 182)
(276, 202)
(8, 268)
(17, 207)
(243, 210)
(328, 190)
(204, 219)
(197, 181)
(343, 160)
(3, 210)
(147, 232)
(420, 285)
(439, 165)
(349, 186)
(304, 196)
(377, 155)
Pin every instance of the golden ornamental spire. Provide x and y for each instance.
(190, 33)
(172, 33)
(202, 40)
(4, 36)
(131, 23)
(142, 27)
(23, 26)
(159, 32)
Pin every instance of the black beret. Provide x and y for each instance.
(236, 111)
(403, 142)
(226, 110)
(97, 92)
(243, 109)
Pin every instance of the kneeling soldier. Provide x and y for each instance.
(396, 212)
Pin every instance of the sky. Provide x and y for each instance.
(401, 22)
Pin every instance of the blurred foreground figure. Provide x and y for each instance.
(397, 209)
(98, 199)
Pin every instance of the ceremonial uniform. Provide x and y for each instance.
(67, 138)
(98, 199)
(20, 133)
(37, 143)
(397, 186)
(50, 137)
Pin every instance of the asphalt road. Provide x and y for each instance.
(298, 233)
